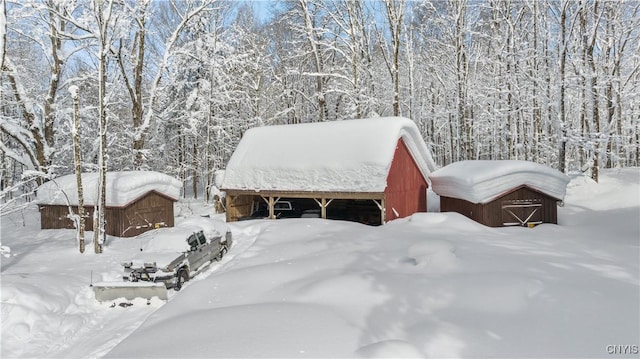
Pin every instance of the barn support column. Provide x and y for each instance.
(230, 207)
(271, 204)
(381, 206)
(323, 203)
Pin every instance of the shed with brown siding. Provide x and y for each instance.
(501, 193)
(137, 201)
(366, 170)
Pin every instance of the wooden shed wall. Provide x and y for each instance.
(491, 214)
(406, 190)
(144, 214)
(135, 218)
(55, 217)
(470, 210)
(239, 205)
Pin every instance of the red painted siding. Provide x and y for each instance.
(406, 190)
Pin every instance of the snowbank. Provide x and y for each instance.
(483, 181)
(122, 188)
(341, 156)
(430, 285)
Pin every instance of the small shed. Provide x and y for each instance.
(501, 193)
(366, 170)
(136, 201)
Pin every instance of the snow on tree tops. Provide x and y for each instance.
(482, 181)
(122, 188)
(337, 156)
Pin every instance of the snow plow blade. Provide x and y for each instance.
(108, 291)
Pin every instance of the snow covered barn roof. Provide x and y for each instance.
(338, 156)
(122, 188)
(482, 181)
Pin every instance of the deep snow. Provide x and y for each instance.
(481, 181)
(122, 188)
(432, 285)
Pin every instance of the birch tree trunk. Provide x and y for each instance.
(78, 166)
(99, 212)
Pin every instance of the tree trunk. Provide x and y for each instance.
(593, 90)
(395, 15)
(562, 148)
(56, 73)
(464, 124)
(194, 163)
(78, 168)
(99, 212)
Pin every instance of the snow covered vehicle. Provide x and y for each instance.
(168, 258)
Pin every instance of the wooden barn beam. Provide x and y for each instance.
(271, 208)
(310, 195)
(323, 203)
(381, 207)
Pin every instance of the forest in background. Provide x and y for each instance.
(171, 85)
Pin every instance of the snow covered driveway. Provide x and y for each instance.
(433, 285)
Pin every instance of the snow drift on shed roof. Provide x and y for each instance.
(483, 181)
(338, 156)
(122, 188)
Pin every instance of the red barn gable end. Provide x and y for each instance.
(406, 191)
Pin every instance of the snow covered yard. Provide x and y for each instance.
(432, 285)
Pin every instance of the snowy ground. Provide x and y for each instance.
(433, 285)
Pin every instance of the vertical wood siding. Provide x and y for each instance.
(491, 214)
(406, 191)
(137, 217)
(239, 206)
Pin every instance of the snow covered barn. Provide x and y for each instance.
(501, 193)
(367, 170)
(137, 201)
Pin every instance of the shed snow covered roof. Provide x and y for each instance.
(338, 156)
(122, 188)
(483, 181)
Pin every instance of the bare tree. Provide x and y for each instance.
(562, 114)
(186, 11)
(134, 86)
(313, 37)
(37, 138)
(103, 18)
(394, 17)
(3, 31)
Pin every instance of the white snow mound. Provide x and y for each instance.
(122, 188)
